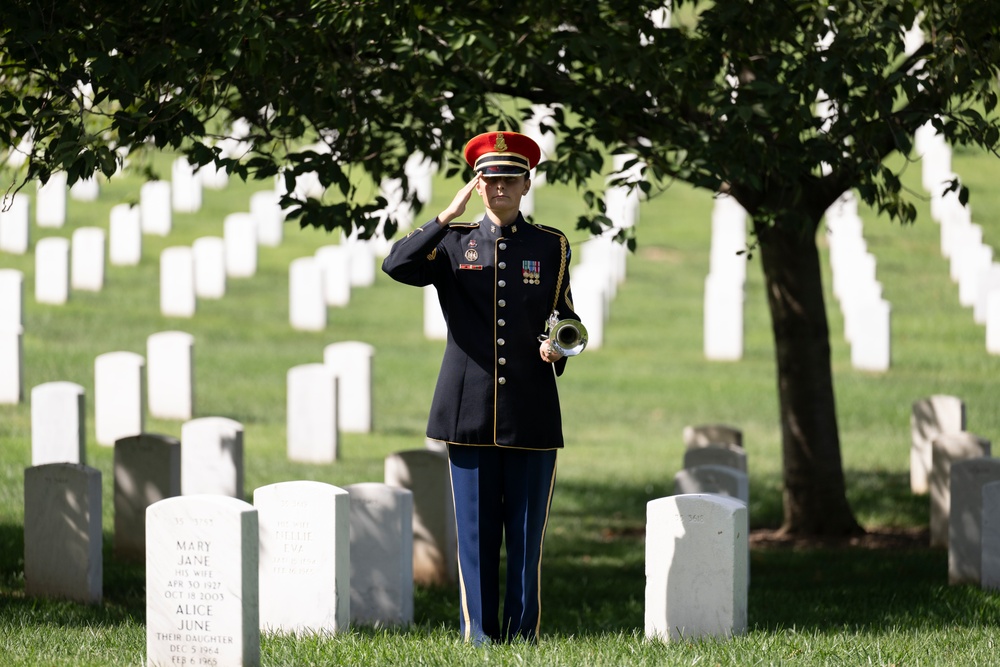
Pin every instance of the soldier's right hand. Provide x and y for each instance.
(458, 204)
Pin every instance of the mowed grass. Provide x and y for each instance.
(625, 407)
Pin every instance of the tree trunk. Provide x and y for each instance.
(815, 502)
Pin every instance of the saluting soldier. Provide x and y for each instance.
(495, 404)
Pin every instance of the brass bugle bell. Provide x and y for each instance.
(567, 337)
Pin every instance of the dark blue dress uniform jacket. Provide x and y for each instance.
(497, 287)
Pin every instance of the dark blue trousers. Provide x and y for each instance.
(501, 496)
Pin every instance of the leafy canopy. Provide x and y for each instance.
(725, 99)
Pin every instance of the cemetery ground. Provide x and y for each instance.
(880, 599)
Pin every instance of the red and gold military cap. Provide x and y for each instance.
(502, 153)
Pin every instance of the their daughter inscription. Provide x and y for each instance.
(201, 582)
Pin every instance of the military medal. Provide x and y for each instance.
(471, 254)
(531, 272)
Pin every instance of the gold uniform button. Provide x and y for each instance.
(502, 265)
(500, 341)
(501, 323)
(502, 380)
(502, 283)
(502, 361)
(503, 246)
(501, 303)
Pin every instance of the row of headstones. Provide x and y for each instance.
(971, 262)
(199, 271)
(126, 384)
(158, 200)
(328, 398)
(186, 273)
(867, 315)
(208, 461)
(325, 279)
(124, 388)
(956, 469)
(308, 557)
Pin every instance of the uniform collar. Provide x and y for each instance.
(498, 231)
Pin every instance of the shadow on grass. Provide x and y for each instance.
(124, 589)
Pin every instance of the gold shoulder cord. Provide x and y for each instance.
(562, 270)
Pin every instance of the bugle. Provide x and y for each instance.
(567, 337)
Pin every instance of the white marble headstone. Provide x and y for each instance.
(425, 473)
(202, 602)
(965, 517)
(15, 235)
(713, 478)
(947, 449)
(729, 239)
(119, 396)
(871, 347)
(147, 469)
(993, 322)
(987, 281)
(240, 234)
(170, 374)
(87, 266)
(62, 532)
(712, 435)
(50, 201)
(697, 567)
(362, 258)
(990, 576)
(723, 455)
(185, 187)
(420, 172)
(306, 302)
(381, 554)
(212, 457)
(351, 363)
(591, 301)
(177, 293)
(270, 218)
(58, 433)
(313, 432)
(11, 366)
(930, 417)
(305, 557)
(125, 235)
(335, 265)
(52, 270)
(155, 210)
(11, 299)
(85, 189)
(11, 337)
(212, 177)
(209, 267)
(435, 326)
(723, 318)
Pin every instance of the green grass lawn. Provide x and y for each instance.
(625, 406)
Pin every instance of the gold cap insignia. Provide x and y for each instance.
(501, 145)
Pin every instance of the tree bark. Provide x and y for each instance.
(815, 502)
